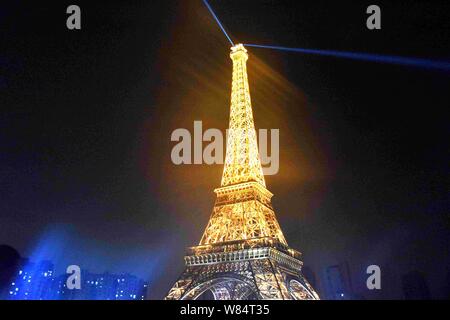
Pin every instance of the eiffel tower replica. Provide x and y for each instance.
(243, 254)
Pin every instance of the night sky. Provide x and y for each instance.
(86, 118)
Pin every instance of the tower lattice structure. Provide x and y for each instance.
(242, 254)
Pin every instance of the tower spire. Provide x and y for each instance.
(243, 208)
(242, 163)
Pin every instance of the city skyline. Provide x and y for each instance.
(37, 280)
(412, 284)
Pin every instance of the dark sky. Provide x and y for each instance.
(86, 118)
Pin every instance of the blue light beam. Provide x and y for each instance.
(218, 21)
(405, 61)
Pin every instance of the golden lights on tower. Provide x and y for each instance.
(242, 254)
(243, 207)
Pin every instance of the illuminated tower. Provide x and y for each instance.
(243, 254)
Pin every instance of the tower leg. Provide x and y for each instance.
(257, 279)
